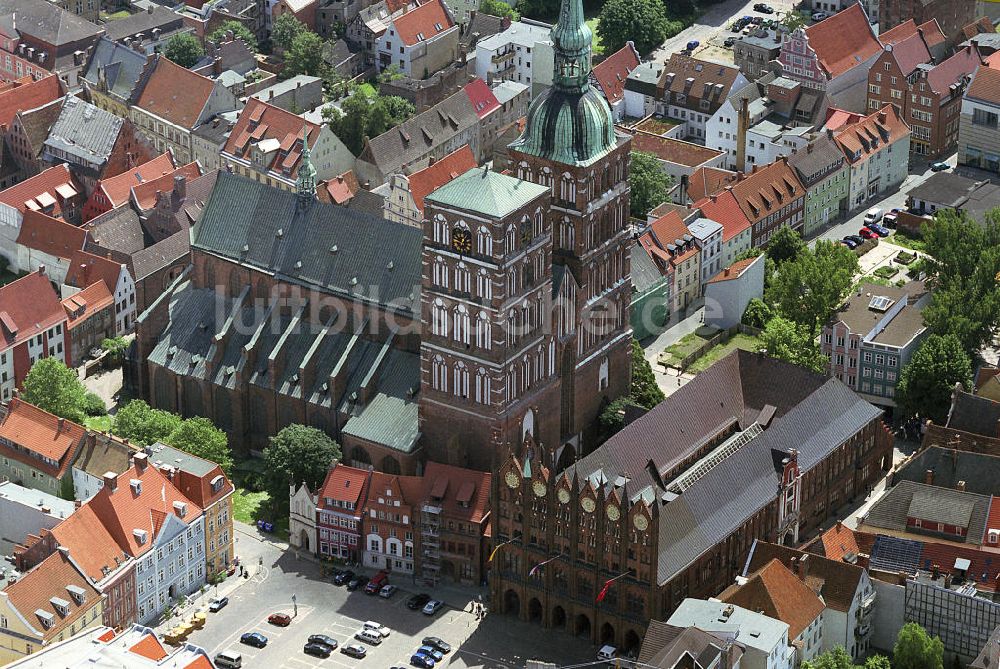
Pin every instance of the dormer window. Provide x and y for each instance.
(140, 536)
(78, 594)
(46, 618)
(217, 483)
(60, 605)
(136, 486)
(180, 508)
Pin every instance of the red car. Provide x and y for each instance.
(377, 582)
(280, 619)
(867, 234)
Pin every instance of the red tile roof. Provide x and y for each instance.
(932, 32)
(85, 268)
(482, 98)
(50, 579)
(47, 188)
(199, 488)
(50, 235)
(90, 544)
(725, 210)
(707, 181)
(423, 23)
(843, 41)
(611, 73)
(993, 518)
(778, 593)
(175, 93)
(985, 84)
(673, 150)
(432, 177)
(767, 190)
(466, 493)
(910, 52)
(116, 189)
(341, 188)
(980, 25)
(732, 272)
(667, 230)
(838, 118)
(122, 511)
(88, 302)
(872, 134)
(200, 662)
(26, 93)
(953, 70)
(150, 648)
(260, 121)
(344, 484)
(28, 307)
(898, 33)
(144, 194)
(41, 433)
(984, 568)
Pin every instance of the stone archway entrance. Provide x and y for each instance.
(607, 634)
(632, 642)
(512, 603)
(582, 626)
(534, 610)
(559, 617)
(304, 541)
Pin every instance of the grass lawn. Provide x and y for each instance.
(595, 44)
(714, 354)
(886, 271)
(99, 423)
(900, 238)
(249, 507)
(673, 354)
(114, 17)
(367, 88)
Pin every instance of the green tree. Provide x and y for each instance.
(116, 348)
(143, 425)
(184, 49)
(757, 313)
(645, 391)
(612, 418)
(305, 56)
(789, 341)
(295, 455)
(499, 8)
(52, 386)
(914, 649)
(200, 437)
(239, 30)
(538, 9)
(877, 662)
(389, 73)
(926, 382)
(643, 22)
(286, 28)
(784, 245)
(831, 659)
(366, 114)
(650, 184)
(93, 405)
(809, 287)
(792, 20)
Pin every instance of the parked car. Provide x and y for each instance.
(730, 41)
(872, 215)
(422, 661)
(218, 604)
(939, 166)
(323, 639)
(387, 591)
(436, 654)
(255, 639)
(849, 244)
(763, 9)
(378, 580)
(693, 44)
(867, 233)
(879, 230)
(856, 239)
(357, 582)
(432, 607)
(317, 649)
(376, 627)
(343, 577)
(416, 602)
(371, 637)
(819, 16)
(437, 642)
(354, 650)
(889, 220)
(280, 619)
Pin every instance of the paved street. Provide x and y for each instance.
(496, 642)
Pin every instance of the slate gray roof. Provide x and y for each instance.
(974, 414)
(390, 418)
(144, 22)
(811, 164)
(155, 257)
(47, 22)
(38, 122)
(664, 646)
(118, 230)
(483, 191)
(335, 249)
(415, 138)
(178, 459)
(891, 511)
(944, 188)
(479, 27)
(980, 472)
(644, 78)
(84, 131)
(122, 67)
(645, 274)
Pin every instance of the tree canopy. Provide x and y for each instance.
(838, 658)
(809, 287)
(239, 30)
(786, 340)
(52, 386)
(305, 56)
(298, 454)
(499, 8)
(643, 22)
(649, 183)
(184, 49)
(785, 244)
(366, 114)
(915, 649)
(286, 28)
(199, 436)
(645, 391)
(926, 382)
(143, 425)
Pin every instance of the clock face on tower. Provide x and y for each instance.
(563, 495)
(539, 488)
(461, 240)
(512, 479)
(588, 504)
(640, 523)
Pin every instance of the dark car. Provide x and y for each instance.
(849, 244)
(255, 639)
(939, 166)
(416, 602)
(323, 639)
(422, 661)
(317, 649)
(693, 44)
(438, 643)
(280, 619)
(432, 652)
(763, 9)
(356, 582)
(343, 577)
(729, 42)
(354, 650)
(856, 239)
(218, 604)
(879, 230)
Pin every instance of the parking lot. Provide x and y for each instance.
(496, 642)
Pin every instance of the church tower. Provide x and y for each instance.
(570, 146)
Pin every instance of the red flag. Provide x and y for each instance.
(604, 591)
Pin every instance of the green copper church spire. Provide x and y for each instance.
(571, 122)
(306, 181)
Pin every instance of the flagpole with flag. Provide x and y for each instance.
(607, 585)
(538, 567)
(498, 547)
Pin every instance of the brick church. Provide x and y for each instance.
(505, 319)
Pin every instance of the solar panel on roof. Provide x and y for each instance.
(880, 303)
(895, 554)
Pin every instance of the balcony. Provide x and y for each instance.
(863, 630)
(868, 604)
(500, 57)
(431, 508)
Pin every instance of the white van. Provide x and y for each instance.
(607, 653)
(229, 659)
(376, 627)
(872, 215)
(369, 636)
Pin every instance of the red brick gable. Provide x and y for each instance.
(423, 23)
(28, 307)
(85, 268)
(611, 73)
(260, 121)
(843, 41)
(26, 93)
(432, 177)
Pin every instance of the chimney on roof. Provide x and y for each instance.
(141, 460)
(41, 270)
(929, 477)
(829, 133)
(725, 272)
(809, 147)
(881, 117)
(110, 481)
(802, 567)
(742, 126)
(960, 486)
(62, 425)
(431, 161)
(180, 186)
(149, 9)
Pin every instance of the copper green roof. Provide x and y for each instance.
(570, 123)
(486, 192)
